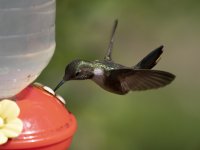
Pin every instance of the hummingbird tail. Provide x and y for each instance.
(150, 60)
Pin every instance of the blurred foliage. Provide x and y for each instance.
(163, 119)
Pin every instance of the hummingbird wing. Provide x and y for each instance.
(137, 80)
(150, 60)
(110, 46)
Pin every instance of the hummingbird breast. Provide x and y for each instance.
(99, 77)
(102, 77)
(107, 83)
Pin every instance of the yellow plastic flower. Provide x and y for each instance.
(10, 125)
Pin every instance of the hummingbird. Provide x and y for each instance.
(117, 78)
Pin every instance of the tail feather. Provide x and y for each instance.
(150, 60)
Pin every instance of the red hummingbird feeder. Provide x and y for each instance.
(27, 43)
(47, 124)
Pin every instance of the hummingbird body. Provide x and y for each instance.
(102, 75)
(117, 78)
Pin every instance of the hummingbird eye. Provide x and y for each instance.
(77, 73)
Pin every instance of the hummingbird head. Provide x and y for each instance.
(77, 70)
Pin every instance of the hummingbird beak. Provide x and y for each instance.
(59, 85)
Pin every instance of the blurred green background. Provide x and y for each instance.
(163, 119)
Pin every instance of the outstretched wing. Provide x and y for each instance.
(110, 46)
(137, 80)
